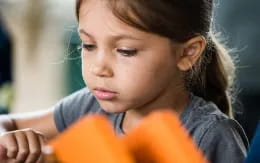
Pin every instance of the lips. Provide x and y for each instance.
(104, 94)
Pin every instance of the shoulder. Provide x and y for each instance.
(77, 98)
(224, 141)
(200, 115)
(74, 106)
(218, 136)
(82, 99)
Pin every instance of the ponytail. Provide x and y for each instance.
(214, 75)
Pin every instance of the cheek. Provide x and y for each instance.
(85, 68)
(145, 77)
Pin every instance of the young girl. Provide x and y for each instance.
(139, 56)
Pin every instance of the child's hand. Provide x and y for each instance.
(21, 146)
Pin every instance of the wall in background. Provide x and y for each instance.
(37, 29)
(239, 22)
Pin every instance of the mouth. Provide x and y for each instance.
(104, 94)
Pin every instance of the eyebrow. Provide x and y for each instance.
(115, 37)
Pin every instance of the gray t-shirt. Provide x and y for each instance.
(221, 139)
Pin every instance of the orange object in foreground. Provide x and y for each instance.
(160, 138)
(90, 140)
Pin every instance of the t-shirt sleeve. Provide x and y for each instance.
(224, 142)
(73, 107)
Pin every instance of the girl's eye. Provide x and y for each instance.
(124, 52)
(88, 47)
(127, 53)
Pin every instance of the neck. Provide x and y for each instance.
(177, 104)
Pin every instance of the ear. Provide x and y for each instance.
(192, 50)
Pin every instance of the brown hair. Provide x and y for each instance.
(179, 20)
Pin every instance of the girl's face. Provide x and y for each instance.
(123, 67)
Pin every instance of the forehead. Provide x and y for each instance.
(96, 17)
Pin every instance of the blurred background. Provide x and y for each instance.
(40, 62)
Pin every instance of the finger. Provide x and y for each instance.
(43, 140)
(42, 143)
(10, 143)
(23, 146)
(41, 159)
(49, 155)
(34, 146)
(10, 161)
(3, 153)
(41, 136)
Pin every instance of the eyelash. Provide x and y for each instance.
(126, 53)
(88, 47)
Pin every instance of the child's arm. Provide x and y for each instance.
(23, 135)
(42, 121)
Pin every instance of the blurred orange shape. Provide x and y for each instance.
(90, 140)
(161, 138)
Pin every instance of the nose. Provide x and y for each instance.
(102, 66)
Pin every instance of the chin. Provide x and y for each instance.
(112, 108)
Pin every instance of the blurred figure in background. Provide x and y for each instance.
(253, 154)
(5, 69)
(37, 29)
